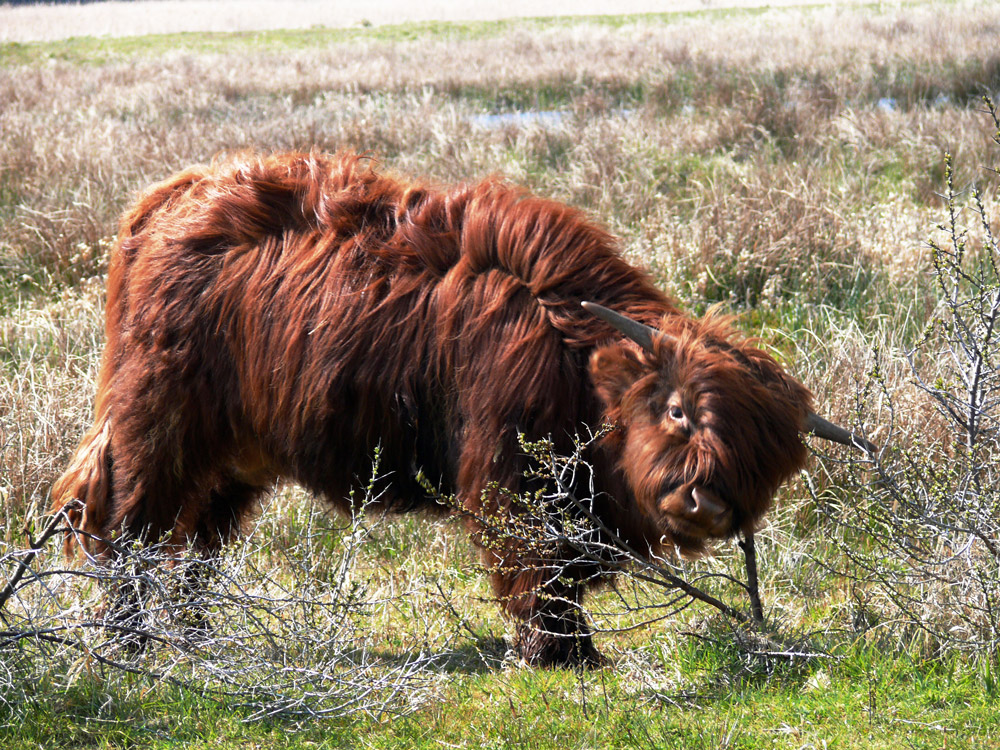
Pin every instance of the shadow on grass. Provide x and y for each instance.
(478, 656)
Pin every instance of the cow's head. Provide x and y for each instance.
(709, 427)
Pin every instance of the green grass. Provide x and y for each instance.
(101, 50)
(699, 696)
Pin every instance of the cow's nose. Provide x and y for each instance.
(706, 509)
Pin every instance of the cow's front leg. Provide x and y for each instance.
(545, 602)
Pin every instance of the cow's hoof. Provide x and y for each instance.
(560, 651)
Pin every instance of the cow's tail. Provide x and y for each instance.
(83, 492)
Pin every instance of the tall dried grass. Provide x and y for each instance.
(77, 139)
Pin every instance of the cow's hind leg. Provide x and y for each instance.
(165, 530)
(148, 534)
(224, 517)
(221, 520)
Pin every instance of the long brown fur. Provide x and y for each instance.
(276, 317)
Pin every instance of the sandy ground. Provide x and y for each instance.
(49, 21)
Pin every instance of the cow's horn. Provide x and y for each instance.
(829, 431)
(640, 333)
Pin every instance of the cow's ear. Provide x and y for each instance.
(777, 381)
(613, 370)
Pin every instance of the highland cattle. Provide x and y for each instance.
(280, 317)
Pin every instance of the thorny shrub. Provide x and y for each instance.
(920, 524)
(272, 626)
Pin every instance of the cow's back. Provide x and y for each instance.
(308, 309)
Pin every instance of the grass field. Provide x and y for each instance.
(786, 164)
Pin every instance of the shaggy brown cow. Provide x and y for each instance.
(280, 317)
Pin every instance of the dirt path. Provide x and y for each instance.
(49, 21)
